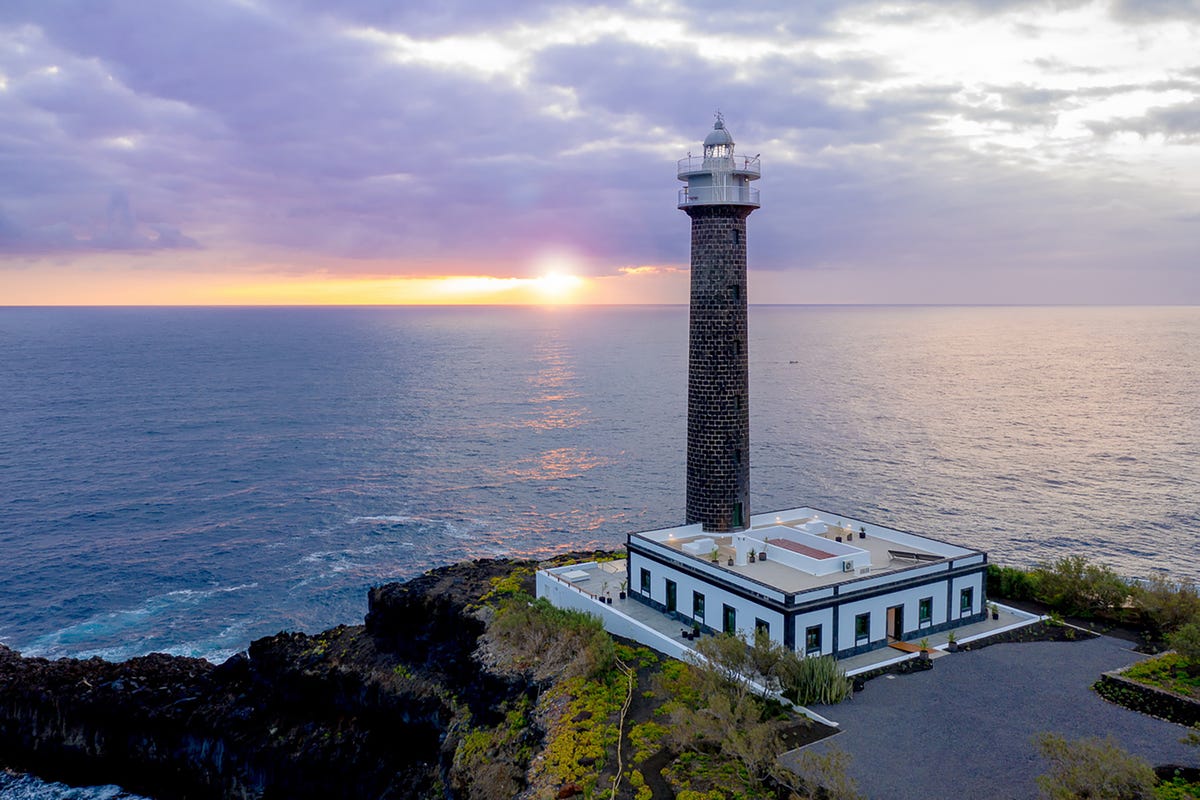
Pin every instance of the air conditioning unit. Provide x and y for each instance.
(847, 566)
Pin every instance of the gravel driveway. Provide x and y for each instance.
(964, 729)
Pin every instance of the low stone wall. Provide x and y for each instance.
(1116, 688)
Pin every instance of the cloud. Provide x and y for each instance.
(118, 231)
(424, 138)
(1178, 122)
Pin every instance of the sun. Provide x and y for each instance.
(557, 287)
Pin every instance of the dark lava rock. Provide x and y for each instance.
(354, 712)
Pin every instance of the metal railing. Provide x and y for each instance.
(718, 195)
(742, 165)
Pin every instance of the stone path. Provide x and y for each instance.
(964, 729)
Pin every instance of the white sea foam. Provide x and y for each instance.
(72, 640)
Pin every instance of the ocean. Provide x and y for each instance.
(186, 480)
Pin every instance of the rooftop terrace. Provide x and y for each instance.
(806, 549)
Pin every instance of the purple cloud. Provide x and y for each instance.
(304, 133)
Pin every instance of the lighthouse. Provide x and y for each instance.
(718, 198)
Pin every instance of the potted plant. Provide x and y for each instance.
(695, 629)
(862, 531)
(924, 645)
(762, 554)
(752, 558)
(995, 609)
(716, 555)
(621, 594)
(729, 561)
(951, 642)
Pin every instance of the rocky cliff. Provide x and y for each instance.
(354, 712)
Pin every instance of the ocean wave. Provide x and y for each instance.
(17, 786)
(73, 641)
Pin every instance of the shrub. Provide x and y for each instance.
(1165, 606)
(817, 679)
(1073, 586)
(1186, 642)
(548, 641)
(1010, 582)
(1093, 768)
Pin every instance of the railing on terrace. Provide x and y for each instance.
(743, 165)
(718, 195)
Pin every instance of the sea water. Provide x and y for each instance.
(187, 480)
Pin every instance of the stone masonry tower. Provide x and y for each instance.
(718, 198)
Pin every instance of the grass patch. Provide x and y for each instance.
(1170, 671)
(577, 747)
(710, 776)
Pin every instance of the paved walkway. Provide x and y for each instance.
(964, 729)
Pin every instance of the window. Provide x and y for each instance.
(645, 581)
(925, 611)
(737, 507)
(728, 619)
(862, 628)
(812, 641)
(761, 626)
(698, 607)
(671, 593)
(966, 600)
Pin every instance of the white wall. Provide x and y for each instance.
(714, 598)
(960, 583)
(824, 618)
(564, 595)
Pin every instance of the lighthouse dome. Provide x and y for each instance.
(718, 135)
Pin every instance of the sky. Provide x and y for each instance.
(375, 151)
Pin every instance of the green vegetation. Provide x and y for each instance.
(547, 642)
(1099, 769)
(817, 679)
(728, 734)
(1094, 768)
(1010, 582)
(577, 747)
(1164, 606)
(1076, 587)
(714, 722)
(1186, 642)
(1072, 586)
(1177, 788)
(489, 763)
(508, 586)
(1171, 671)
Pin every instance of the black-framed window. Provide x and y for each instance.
(671, 593)
(812, 641)
(645, 581)
(966, 600)
(925, 611)
(761, 626)
(862, 628)
(697, 607)
(728, 619)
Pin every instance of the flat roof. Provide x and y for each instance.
(816, 535)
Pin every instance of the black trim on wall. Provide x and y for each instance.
(765, 602)
(792, 612)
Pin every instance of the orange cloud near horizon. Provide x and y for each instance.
(64, 286)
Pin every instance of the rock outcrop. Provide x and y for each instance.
(354, 712)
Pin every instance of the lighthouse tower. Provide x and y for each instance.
(718, 198)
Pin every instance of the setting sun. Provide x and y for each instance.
(556, 287)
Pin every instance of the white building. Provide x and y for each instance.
(829, 585)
